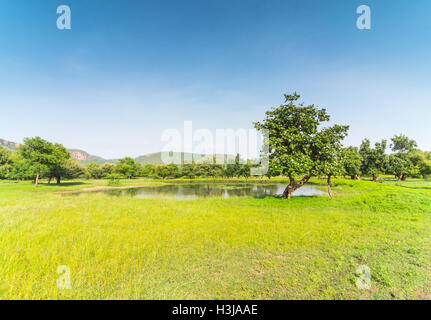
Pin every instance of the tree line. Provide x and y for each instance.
(37, 158)
(299, 148)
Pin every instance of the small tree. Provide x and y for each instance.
(93, 171)
(188, 171)
(164, 171)
(148, 170)
(400, 163)
(298, 148)
(374, 160)
(128, 167)
(352, 161)
(332, 168)
(107, 169)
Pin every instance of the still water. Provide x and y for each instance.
(195, 191)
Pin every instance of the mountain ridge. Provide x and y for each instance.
(155, 158)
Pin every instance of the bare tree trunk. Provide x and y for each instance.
(375, 177)
(49, 180)
(58, 179)
(36, 182)
(403, 177)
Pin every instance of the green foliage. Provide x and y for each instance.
(148, 170)
(400, 163)
(44, 156)
(164, 171)
(374, 160)
(5, 163)
(71, 169)
(114, 179)
(401, 143)
(93, 171)
(128, 168)
(352, 161)
(188, 171)
(107, 169)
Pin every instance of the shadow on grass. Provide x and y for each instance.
(416, 188)
(64, 184)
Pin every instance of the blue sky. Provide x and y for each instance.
(127, 70)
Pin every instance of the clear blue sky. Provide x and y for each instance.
(130, 69)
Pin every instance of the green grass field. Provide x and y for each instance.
(238, 248)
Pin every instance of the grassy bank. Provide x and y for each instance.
(240, 248)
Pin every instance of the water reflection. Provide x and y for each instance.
(195, 191)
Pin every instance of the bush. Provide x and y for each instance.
(114, 179)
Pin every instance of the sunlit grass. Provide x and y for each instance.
(240, 248)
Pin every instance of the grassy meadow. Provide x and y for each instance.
(214, 248)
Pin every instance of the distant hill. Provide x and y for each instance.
(183, 157)
(84, 157)
(9, 145)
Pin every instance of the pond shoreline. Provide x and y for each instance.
(152, 183)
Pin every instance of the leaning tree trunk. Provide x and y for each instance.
(287, 194)
(293, 185)
(36, 181)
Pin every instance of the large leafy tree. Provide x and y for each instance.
(40, 153)
(299, 148)
(374, 160)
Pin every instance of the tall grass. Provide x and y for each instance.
(239, 248)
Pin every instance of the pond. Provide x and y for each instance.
(194, 191)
